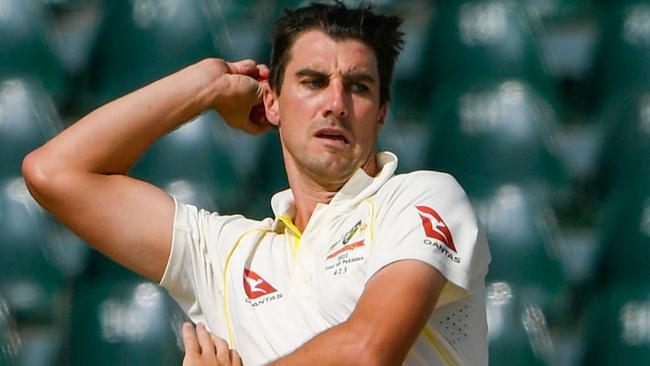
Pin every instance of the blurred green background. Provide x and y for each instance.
(540, 108)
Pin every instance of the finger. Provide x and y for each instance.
(205, 341)
(244, 67)
(235, 360)
(215, 339)
(223, 350)
(189, 339)
(263, 71)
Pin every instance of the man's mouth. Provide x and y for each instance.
(332, 134)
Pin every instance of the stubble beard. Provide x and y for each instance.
(327, 169)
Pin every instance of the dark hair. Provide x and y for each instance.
(379, 32)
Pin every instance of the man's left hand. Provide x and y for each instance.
(205, 349)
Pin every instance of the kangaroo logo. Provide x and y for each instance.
(435, 227)
(255, 286)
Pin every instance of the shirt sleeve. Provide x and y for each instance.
(427, 216)
(193, 276)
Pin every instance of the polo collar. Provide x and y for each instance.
(359, 187)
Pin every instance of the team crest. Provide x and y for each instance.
(340, 257)
(351, 232)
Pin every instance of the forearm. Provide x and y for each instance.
(378, 332)
(79, 176)
(110, 139)
(340, 345)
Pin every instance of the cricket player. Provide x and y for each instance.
(358, 266)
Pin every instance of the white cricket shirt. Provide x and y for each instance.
(268, 288)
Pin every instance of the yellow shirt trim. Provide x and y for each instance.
(449, 356)
(226, 309)
(371, 203)
(286, 220)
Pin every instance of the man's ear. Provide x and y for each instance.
(271, 106)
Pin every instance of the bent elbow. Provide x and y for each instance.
(30, 168)
(36, 172)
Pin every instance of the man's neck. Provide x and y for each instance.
(307, 192)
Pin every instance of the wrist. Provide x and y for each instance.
(202, 80)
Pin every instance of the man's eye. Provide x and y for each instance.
(358, 88)
(314, 83)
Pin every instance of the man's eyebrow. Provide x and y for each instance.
(360, 76)
(310, 73)
(355, 76)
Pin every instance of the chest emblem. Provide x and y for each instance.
(358, 228)
(342, 253)
(255, 286)
(346, 248)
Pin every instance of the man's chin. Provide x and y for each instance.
(333, 169)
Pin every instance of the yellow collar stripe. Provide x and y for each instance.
(286, 220)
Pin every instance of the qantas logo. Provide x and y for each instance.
(435, 227)
(255, 286)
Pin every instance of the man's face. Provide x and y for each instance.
(328, 112)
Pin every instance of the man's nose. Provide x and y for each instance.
(336, 104)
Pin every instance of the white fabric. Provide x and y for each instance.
(370, 223)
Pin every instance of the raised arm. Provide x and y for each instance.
(80, 175)
(390, 314)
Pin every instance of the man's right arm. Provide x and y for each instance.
(80, 175)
